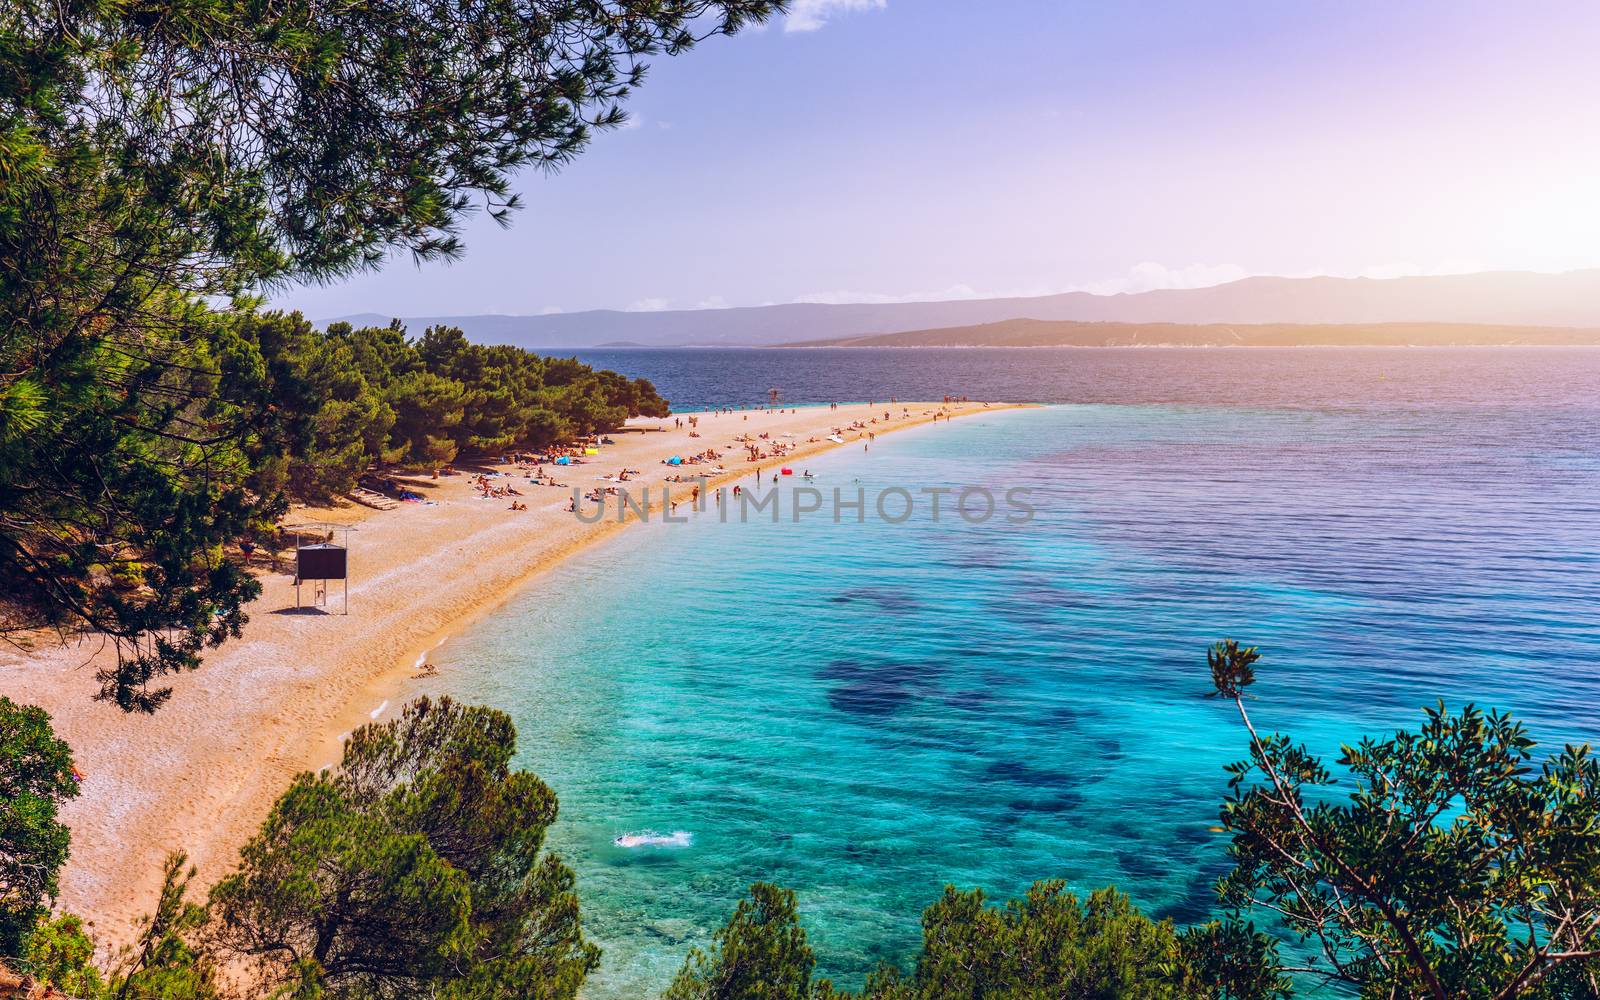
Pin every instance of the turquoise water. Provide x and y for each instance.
(865, 712)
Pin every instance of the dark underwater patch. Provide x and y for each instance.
(970, 699)
(877, 689)
(1143, 862)
(1199, 901)
(1050, 805)
(1000, 825)
(1018, 772)
(892, 601)
(869, 698)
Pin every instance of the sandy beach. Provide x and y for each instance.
(200, 774)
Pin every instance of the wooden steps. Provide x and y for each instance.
(369, 498)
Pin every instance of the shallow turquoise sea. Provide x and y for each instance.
(865, 712)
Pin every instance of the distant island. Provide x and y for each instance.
(1070, 333)
(1518, 299)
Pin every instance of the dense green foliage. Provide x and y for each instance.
(1454, 868)
(760, 954)
(414, 870)
(371, 395)
(1048, 944)
(61, 953)
(165, 962)
(162, 164)
(123, 471)
(159, 965)
(35, 776)
(448, 395)
(417, 868)
(308, 140)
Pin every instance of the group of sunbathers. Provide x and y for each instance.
(486, 489)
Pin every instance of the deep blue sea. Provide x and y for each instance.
(865, 712)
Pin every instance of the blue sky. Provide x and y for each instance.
(911, 149)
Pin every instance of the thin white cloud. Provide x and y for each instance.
(809, 15)
(714, 302)
(1149, 276)
(649, 306)
(844, 297)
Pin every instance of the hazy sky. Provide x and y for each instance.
(869, 150)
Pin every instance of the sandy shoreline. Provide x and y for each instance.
(201, 773)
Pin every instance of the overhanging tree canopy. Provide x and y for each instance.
(157, 158)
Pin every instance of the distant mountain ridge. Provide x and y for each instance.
(1072, 333)
(1500, 298)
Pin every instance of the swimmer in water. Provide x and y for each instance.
(649, 838)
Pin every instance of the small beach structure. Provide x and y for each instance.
(320, 560)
